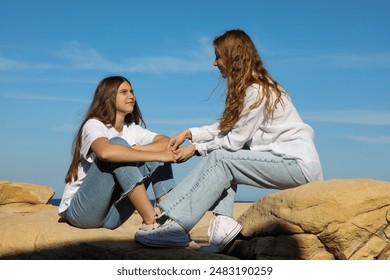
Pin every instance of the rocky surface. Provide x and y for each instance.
(30, 228)
(333, 219)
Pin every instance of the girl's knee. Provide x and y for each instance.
(218, 155)
(118, 140)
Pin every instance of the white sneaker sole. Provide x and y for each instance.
(216, 248)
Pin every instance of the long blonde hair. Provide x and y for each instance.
(103, 109)
(243, 67)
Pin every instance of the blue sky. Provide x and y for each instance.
(332, 56)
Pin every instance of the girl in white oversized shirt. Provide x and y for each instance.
(285, 135)
(259, 141)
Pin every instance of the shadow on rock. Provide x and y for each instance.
(265, 248)
(112, 250)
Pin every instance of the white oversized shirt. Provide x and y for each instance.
(92, 130)
(284, 135)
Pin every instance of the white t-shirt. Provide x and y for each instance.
(93, 129)
(286, 135)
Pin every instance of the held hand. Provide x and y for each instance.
(185, 153)
(167, 156)
(178, 139)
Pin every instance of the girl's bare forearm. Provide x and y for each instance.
(159, 144)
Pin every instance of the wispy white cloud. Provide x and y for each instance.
(9, 64)
(344, 60)
(78, 56)
(83, 57)
(180, 121)
(45, 98)
(349, 117)
(370, 139)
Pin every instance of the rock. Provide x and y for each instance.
(13, 192)
(333, 219)
(35, 232)
(31, 229)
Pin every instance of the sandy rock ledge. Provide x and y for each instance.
(332, 219)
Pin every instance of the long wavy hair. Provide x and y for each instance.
(243, 67)
(103, 109)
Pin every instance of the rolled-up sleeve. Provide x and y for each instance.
(208, 138)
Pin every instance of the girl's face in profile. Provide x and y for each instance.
(219, 63)
(125, 99)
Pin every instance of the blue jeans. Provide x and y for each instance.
(102, 198)
(212, 184)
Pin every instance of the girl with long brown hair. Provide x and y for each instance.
(114, 160)
(260, 141)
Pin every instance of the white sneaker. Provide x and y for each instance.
(222, 230)
(146, 227)
(169, 234)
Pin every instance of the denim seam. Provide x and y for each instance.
(213, 166)
(206, 173)
(282, 160)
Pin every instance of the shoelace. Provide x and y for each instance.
(146, 227)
